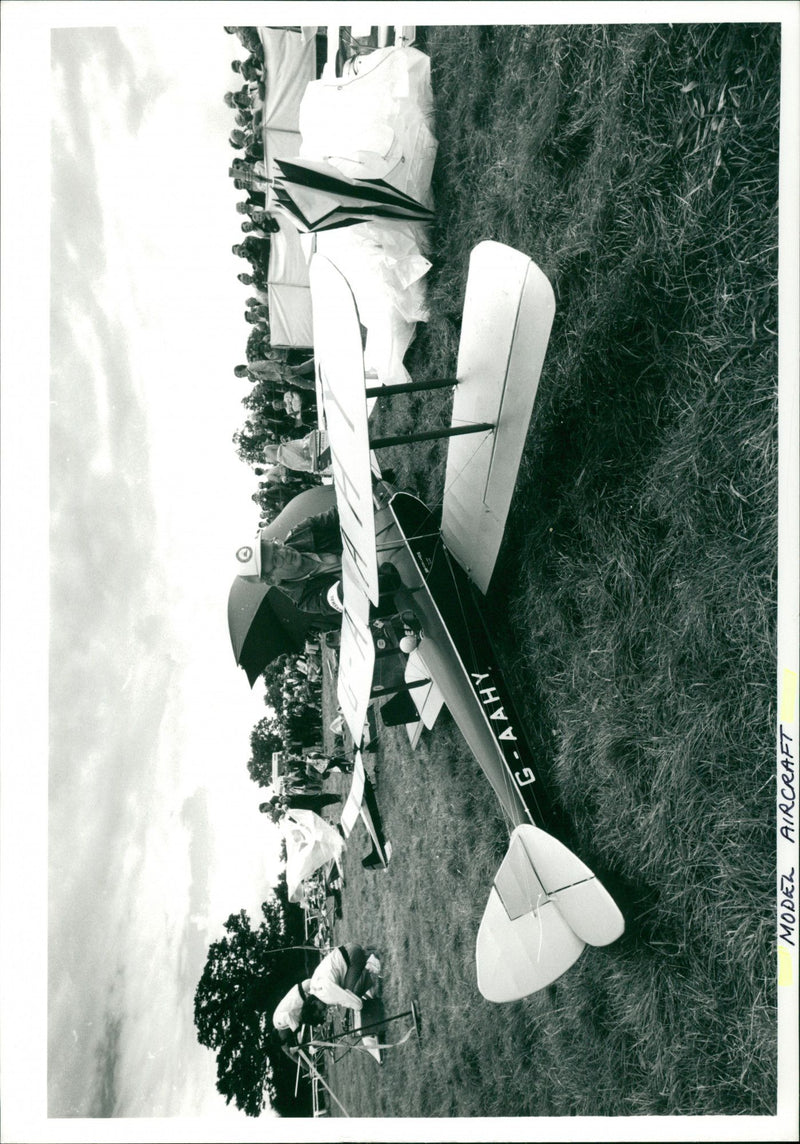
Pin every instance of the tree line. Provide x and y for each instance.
(252, 966)
(246, 974)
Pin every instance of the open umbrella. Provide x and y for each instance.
(263, 624)
(262, 621)
(318, 197)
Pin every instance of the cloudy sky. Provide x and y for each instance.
(154, 833)
(138, 744)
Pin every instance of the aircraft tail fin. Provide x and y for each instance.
(545, 905)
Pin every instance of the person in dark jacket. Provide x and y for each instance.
(307, 565)
(279, 804)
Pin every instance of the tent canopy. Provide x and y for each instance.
(290, 65)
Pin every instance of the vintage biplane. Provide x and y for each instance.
(545, 904)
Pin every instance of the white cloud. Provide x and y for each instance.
(163, 712)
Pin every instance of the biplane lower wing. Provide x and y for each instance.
(508, 313)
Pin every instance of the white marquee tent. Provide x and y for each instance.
(290, 63)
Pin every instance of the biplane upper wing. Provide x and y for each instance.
(340, 366)
(340, 369)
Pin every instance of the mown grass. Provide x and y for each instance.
(634, 600)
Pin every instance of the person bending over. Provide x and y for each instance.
(346, 977)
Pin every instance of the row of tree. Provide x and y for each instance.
(247, 972)
(252, 966)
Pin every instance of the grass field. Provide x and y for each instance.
(634, 600)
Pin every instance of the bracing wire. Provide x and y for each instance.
(479, 445)
(538, 914)
(457, 476)
(314, 1072)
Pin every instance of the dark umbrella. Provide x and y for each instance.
(263, 622)
(319, 197)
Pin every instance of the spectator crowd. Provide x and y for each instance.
(281, 398)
